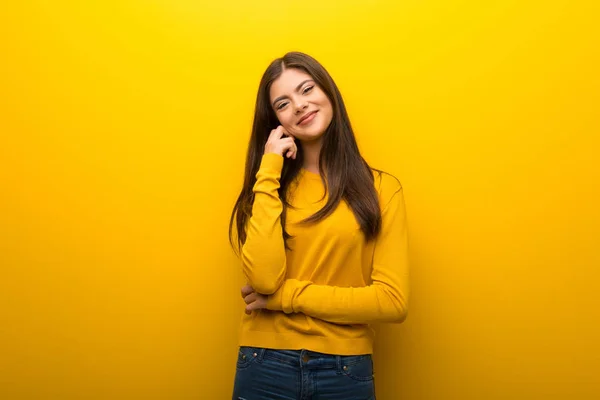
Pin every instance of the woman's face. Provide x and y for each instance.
(302, 108)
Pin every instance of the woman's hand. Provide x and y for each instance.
(254, 301)
(280, 142)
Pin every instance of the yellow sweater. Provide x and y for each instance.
(332, 283)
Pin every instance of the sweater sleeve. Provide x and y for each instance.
(385, 300)
(263, 253)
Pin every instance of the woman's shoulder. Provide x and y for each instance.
(386, 184)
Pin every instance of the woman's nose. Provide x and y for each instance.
(301, 105)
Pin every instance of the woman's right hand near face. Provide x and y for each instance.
(280, 142)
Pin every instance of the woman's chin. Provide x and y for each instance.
(308, 136)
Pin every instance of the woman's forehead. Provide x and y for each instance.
(288, 81)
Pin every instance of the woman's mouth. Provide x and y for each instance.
(307, 118)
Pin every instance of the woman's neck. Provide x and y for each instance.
(311, 151)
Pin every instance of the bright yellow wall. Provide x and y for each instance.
(123, 129)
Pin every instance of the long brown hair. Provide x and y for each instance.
(345, 174)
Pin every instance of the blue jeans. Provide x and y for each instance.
(264, 374)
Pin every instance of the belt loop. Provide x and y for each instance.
(338, 362)
(261, 354)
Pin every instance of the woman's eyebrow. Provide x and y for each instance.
(297, 88)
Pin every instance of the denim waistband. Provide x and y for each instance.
(307, 358)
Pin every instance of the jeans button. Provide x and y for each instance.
(305, 358)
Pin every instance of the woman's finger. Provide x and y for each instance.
(246, 290)
(288, 141)
(250, 298)
(277, 133)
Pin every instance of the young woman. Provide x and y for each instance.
(322, 241)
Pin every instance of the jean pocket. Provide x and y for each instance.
(359, 368)
(246, 356)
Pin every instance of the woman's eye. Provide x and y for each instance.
(281, 105)
(307, 89)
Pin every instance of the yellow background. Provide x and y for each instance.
(123, 130)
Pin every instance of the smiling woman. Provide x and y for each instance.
(297, 107)
(322, 241)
